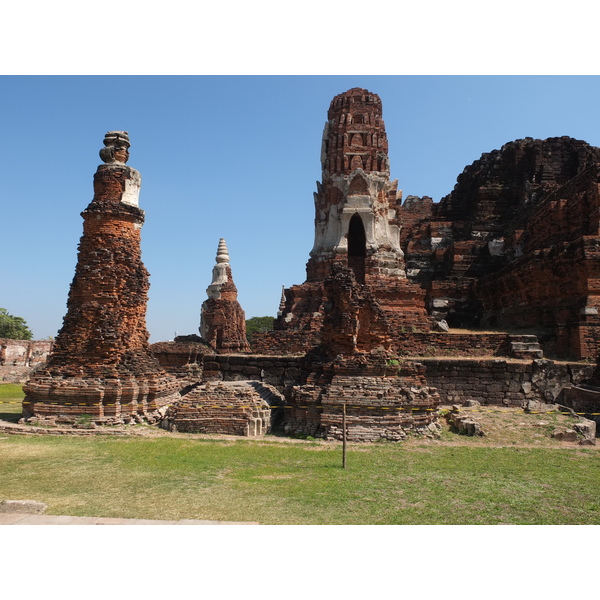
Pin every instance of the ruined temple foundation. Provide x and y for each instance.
(516, 244)
(228, 407)
(100, 368)
(355, 365)
(385, 400)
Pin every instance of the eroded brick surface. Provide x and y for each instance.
(385, 399)
(515, 244)
(100, 364)
(355, 366)
(232, 408)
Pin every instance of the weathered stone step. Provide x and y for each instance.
(528, 354)
(526, 347)
(520, 346)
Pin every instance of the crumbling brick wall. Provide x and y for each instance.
(24, 353)
(503, 382)
(515, 243)
(18, 358)
(233, 408)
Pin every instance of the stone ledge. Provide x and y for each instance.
(6, 427)
(30, 507)
(38, 519)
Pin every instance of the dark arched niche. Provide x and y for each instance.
(357, 247)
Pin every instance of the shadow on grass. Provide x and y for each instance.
(10, 417)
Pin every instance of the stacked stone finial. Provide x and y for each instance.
(222, 252)
(223, 322)
(101, 365)
(116, 147)
(220, 274)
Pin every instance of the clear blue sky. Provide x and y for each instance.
(234, 157)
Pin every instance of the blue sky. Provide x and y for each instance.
(234, 157)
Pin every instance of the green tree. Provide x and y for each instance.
(255, 324)
(13, 328)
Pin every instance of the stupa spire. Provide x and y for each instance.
(222, 321)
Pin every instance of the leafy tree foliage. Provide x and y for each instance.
(13, 328)
(255, 324)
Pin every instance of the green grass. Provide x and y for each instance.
(499, 478)
(276, 482)
(11, 396)
(11, 391)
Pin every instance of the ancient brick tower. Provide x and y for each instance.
(356, 222)
(355, 204)
(356, 298)
(100, 364)
(223, 322)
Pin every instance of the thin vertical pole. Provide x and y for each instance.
(344, 437)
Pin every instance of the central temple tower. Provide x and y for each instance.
(357, 236)
(356, 203)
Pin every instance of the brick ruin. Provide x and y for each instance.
(357, 226)
(512, 248)
(223, 322)
(354, 369)
(100, 363)
(237, 407)
(18, 358)
(515, 245)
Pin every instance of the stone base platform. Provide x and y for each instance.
(227, 407)
(383, 401)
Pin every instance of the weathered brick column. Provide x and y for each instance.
(100, 364)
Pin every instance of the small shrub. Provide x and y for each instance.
(85, 421)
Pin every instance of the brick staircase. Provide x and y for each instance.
(525, 347)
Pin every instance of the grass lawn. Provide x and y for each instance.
(499, 478)
(11, 396)
(301, 483)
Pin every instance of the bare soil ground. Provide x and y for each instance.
(503, 426)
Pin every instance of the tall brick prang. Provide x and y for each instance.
(100, 364)
(356, 225)
(223, 322)
(356, 301)
(356, 202)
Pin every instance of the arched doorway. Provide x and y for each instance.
(357, 247)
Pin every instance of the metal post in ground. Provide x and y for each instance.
(344, 437)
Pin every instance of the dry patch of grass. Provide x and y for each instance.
(418, 482)
(524, 331)
(11, 397)
(512, 427)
